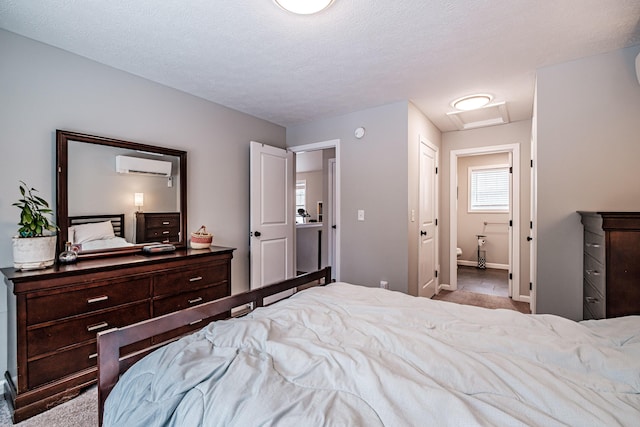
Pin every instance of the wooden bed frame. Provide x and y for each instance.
(111, 364)
(117, 221)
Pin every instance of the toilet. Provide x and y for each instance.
(458, 252)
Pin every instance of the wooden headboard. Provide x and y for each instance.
(117, 221)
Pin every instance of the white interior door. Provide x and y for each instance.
(427, 212)
(272, 220)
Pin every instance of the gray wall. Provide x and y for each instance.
(511, 133)
(44, 89)
(588, 139)
(374, 175)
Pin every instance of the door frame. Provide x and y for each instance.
(333, 143)
(514, 243)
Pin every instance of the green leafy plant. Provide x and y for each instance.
(34, 212)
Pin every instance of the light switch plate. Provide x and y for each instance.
(360, 214)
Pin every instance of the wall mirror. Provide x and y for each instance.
(115, 196)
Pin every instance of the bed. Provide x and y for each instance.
(343, 354)
(97, 232)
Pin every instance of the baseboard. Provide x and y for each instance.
(489, 264)
(444, 287)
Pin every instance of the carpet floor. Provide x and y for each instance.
(79, 412)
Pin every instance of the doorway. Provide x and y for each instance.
(486, 229)
(317, 237)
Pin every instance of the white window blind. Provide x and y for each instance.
(489, 189)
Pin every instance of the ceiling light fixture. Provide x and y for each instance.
(304, 7)
(471, 102)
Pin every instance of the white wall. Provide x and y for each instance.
(588, 141)
(511, 133)
(44, 89)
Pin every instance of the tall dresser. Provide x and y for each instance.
(55, 314)
(611, 267)
(157, 227)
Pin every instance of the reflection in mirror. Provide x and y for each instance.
(119, 194)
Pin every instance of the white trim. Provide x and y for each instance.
(514, 240)
(334, 143)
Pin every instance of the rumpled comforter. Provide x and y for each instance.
(348, 355)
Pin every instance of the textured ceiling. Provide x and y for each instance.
(252, 56)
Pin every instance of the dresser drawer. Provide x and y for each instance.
(60, 364)
(163, 222)
(81, 300)
(594, 245)
(197, 277)
(188, 299)
(594, 273)
(62, 334)
(164, 235)
(594, 301)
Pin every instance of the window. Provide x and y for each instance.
(301, 198)
(489, 188)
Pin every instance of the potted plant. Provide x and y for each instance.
(35, 245)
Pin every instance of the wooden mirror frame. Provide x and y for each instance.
(62, 180)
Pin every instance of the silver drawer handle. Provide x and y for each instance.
(165, 232)
(593, 245)
(593, 272)
(165, 223)
(193, 301)
(97, 299)
(195, 321)
(97, 326)
(93, 356)
(195, 279)
(592, 300)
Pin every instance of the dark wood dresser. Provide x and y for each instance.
(54, 315)
(161, 227)
(611, 267)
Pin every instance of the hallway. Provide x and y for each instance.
(488, 288)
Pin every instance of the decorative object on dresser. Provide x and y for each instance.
(35, 245)
(611, 271)
(56, 313)
(162, 227)
(201, 239)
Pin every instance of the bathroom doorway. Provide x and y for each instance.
(482, 242)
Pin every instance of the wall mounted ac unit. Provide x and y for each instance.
(126, 164)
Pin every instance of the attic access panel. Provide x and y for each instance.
(490, 115)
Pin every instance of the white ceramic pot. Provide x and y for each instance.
(32, 253)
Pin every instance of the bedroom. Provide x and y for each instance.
(586, 120)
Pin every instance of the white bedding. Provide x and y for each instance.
(114, 242)
(351, 355)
